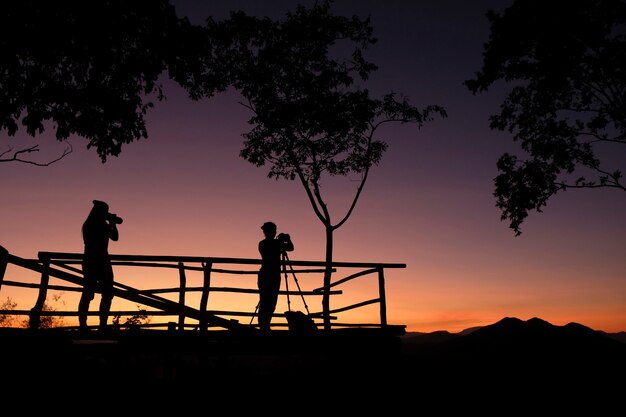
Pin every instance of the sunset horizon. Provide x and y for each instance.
(429, 203)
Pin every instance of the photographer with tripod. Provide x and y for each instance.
(271, 248)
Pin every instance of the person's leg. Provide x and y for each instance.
(106, 287)
(83, 307)
(86, 296)
(264, 317)
(105, 308)
(271, 299)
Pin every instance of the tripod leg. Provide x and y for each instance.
(286, 258)
(255, 311)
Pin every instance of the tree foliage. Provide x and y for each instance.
(567, 105)
(309, 117)
(133, 322)
(46, 322)
(7, 319)
(92, 68)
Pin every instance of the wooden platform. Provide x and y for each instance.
(218, 358)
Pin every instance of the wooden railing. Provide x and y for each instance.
(62, 272)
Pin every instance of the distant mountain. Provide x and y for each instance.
(517, 367)
(428, 338)
(620, 336)
(534, 340)
(469, 330)
(424, 339)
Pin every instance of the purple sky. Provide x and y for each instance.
(429, 204)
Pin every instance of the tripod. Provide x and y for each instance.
(286, 263)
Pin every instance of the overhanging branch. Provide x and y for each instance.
(16, 155)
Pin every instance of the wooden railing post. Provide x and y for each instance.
(35, 312)
(4, 260)
(181, 296)
(204, 300)
(383, 301)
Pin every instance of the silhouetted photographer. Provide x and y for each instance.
(99, 227)
(271, 248)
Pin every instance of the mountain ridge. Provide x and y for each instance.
(439, 335)
(515, 364)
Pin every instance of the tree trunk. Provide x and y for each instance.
(327, 277)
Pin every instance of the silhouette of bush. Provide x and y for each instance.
(46, 322)
(133, 322)
(8, 320)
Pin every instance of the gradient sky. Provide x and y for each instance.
(429, 204)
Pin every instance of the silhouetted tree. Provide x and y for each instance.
(566, 62)
(49, 322)
(7, 320)
(309, 118)
(46, 322)
(133, 322)
(92, 68)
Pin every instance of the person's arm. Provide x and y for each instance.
(113, 232)
(288, 244)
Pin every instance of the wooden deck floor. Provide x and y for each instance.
(221, 357)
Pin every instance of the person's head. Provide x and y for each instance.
(100, 206)
(269, 229)
(98, 214)
(99, 210)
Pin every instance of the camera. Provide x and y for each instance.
(283, 237)
(113, 218)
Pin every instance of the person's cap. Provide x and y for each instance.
(101, 204)
(268, 225)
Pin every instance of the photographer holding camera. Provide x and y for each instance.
(99, 227)
(271, 248)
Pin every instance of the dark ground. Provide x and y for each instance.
(504, 369)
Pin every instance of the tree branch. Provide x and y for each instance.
(16, 155)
